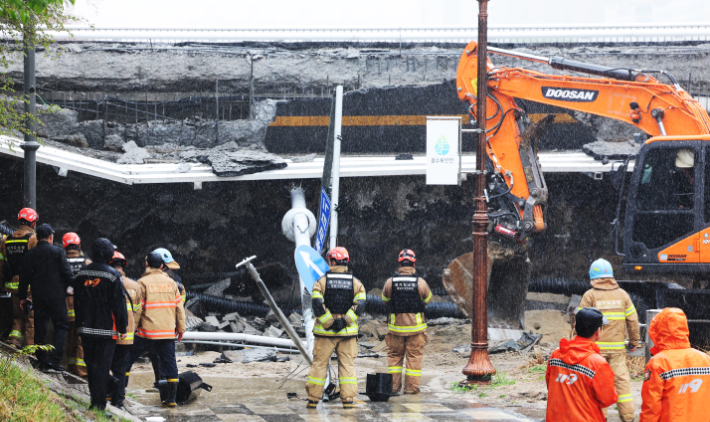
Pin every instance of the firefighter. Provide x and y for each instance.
(101, 317)
(338, 299)
(75, 256)
(580, 382)
(676, 381)
(13, 250)
(617, 307)
(160, 319)
(119, 364)
(406, 294)
(171, 266)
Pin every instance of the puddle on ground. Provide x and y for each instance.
(247, 399)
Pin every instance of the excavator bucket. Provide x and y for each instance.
(508, 279)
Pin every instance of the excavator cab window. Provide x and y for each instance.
(667, 180)
(663, 204)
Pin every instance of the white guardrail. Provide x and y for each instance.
(496, 34)
(350, 166)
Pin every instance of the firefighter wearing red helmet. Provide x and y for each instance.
(12, 252)
(75, 352)
(121, 354)
(406, 294)
(338, 299)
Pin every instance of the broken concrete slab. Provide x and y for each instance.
(212, 320)
(273, 332)
(133, 154)
(250, 355)
(234, 316)
(236, 327)
(271, 317)
(219, 288)
(444, 321)
(229, 163)
(381, 347)
(603, 150)
(295, 319)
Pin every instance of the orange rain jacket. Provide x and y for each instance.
(579, 383)
(676, 384)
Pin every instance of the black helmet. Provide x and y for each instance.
(154, 259)
(588, 321)
(102, 250)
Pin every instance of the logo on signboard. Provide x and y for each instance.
(442, 146)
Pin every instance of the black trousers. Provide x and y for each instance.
(157, 366)
(164, 349)
(98, 355)
(56, 311)
(119, 367)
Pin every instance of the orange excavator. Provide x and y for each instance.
(667, 221)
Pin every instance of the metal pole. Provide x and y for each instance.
(650, 314)
(479, 368)
(336, 166)
(216, 107)
(276, 310)
(30, 145)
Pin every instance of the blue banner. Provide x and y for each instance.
(323, 220)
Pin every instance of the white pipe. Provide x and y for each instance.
(335, 191)
(199, 335)
(302, 236)
(243, 346)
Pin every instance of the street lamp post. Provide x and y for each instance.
(479, 368)
(30, 145)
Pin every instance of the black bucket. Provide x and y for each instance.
(379, 387)
(5, 314)
(190, 386)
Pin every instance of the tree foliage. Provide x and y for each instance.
(31, 22)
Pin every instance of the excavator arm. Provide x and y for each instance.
(517, 193)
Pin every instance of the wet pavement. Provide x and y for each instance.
(264, 399)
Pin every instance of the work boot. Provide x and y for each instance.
(348, 405)
(160, 387)
(171, 394)
(413, 391)
(312, 404)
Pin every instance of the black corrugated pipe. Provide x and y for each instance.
(373, 306)
(559, 285)
(5, 229)
(220, 304)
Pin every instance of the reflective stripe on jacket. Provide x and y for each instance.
(616, 305)
(14, 283)
(161, 314)
(579, 383)
(676, 382)
(326, 320)
(132, 307)
(407, 324)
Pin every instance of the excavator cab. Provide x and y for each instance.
(667, 222)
